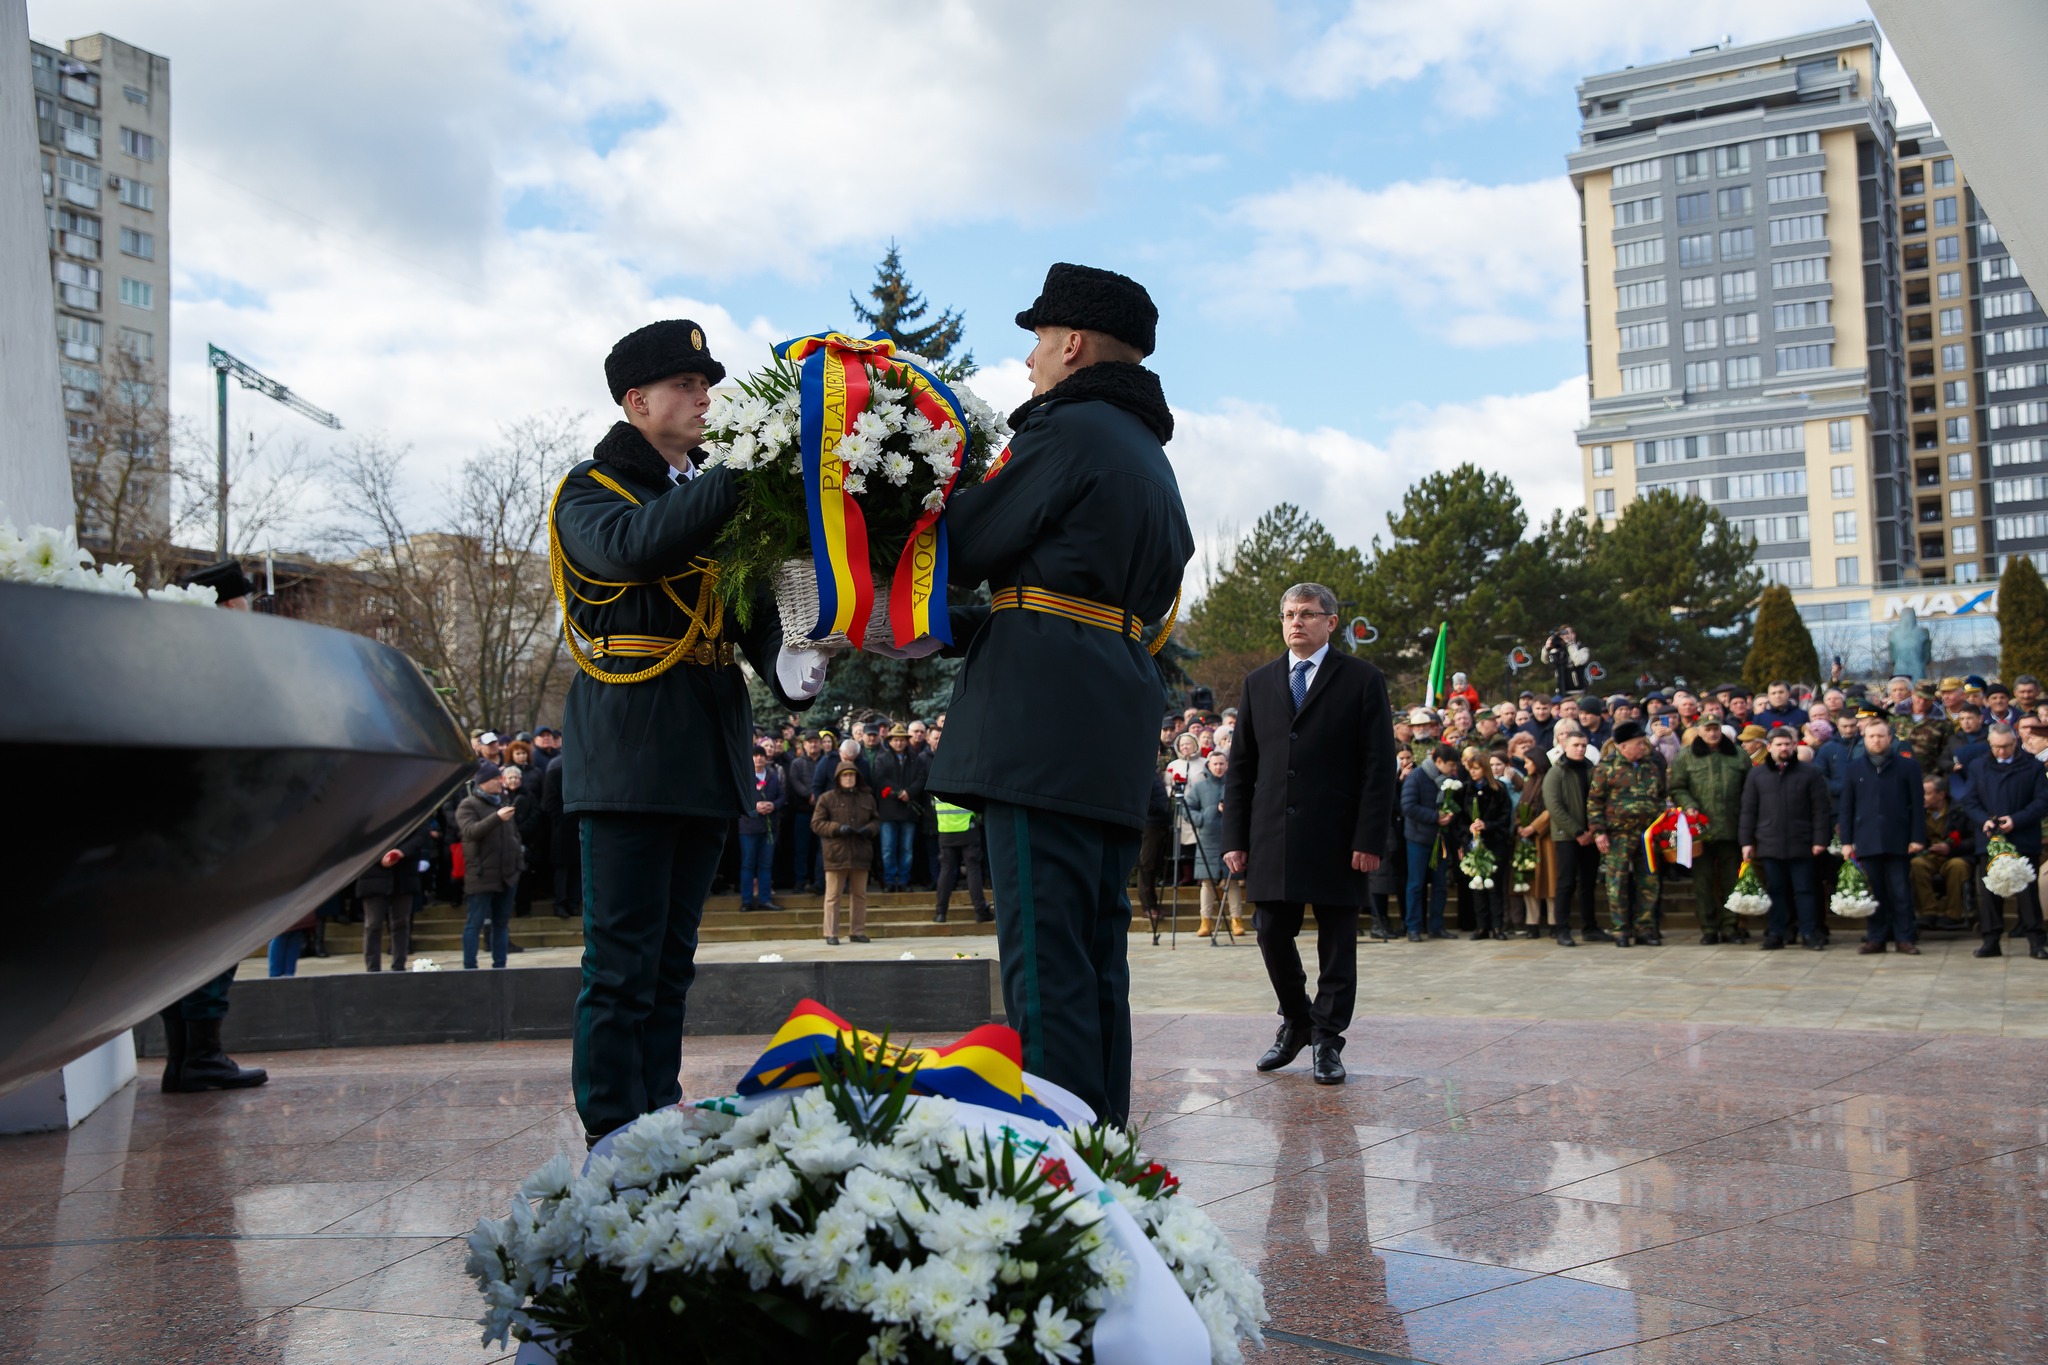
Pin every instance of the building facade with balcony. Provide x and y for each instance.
(103, 119)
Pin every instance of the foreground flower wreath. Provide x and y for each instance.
(864, 1219)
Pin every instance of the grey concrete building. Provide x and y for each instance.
(103, 121)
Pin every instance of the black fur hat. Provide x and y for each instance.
(1627, 731)
(656, 351)
(1095, 300)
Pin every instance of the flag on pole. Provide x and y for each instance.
(1439, 666)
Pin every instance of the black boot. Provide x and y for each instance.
(938, 917)
(174, 1049)
(1564, 937)
(207, 1067)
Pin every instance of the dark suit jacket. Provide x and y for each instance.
(1883, 809)
(2018, 789)
(1307, 791)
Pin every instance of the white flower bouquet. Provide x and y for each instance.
(1748, 897)
(846, 453)
(1525, 865)
(2006, 870)
(855, 1223)
(50, 556)
(1852, 898)
(1479, 866)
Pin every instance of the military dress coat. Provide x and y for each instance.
(678, 743)
(1307, 790)
(1087, 506)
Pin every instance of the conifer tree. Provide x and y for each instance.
(1781, 648)
(898, 307)
(2022, 621)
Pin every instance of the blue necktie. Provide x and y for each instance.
(1298, 684)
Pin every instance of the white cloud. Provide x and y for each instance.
(1478, 265)
(1238, 460)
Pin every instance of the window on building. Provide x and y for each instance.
(1767, 440)
(1958, 431)
(1702, 376)
(138, 293)
(1732, 160)
(1955, 393)
(1635, 212)
(1603, 461)
(1739, 329)
(1999, 268)
(1734, 202)
(138, 194)
(1745, 371)
(1694, 166)
(1696, 208)
(2007, 377)
(1697, 250)
(1798, 185)
(1949, 284)
(1697, 292)
(1642, 336)
(1799, 270)
(1671, 449)
(2019, 490)
(1955, 357)
(1841, 434)
(1738, 286)
(2005, 415)
(79, 338)
(2018, 452)
(1641, 294)
(1845, 528)
(1787, 317)
(1848, 571)
(1842, 481)
(1637, 172)
(1738, 244)
(1966, 572)
(1962, 540)
(1700, 335)
(1791, 573)
(1804, 227)
(1603, 502)
(141, 146)
(2011, 303)
(1944, 172)
(1795, 144)
(1951, 320)
(1961, 466)
(1948, 249)
(1633, 255)
(141, 245)
(1646, 378)
(1987, 233)
(1814, 356)
(1962, 502)
(140, 345)
(135, 95)
(1945, 211)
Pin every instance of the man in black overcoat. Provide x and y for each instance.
(1307, 813)
(2008, 799)
(1082, 539)
(658, 728)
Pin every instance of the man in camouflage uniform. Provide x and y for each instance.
(1625, 799)
(1930, 734)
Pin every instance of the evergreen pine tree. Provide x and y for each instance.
(1781, 649)
(897, 308)
(2022, 621)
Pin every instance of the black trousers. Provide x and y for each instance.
(645, 878)
(1578, 871)
(568, 863)
(377, 911)
(1991, 913)
(1277, 923)
(1151, 853)
(1063, 924)
(951, 855)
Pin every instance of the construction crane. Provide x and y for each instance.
(223, 366)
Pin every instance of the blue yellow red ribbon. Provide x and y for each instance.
(986, 1067)
(833, 390)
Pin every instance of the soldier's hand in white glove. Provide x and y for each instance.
(801, 672)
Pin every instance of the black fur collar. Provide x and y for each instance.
(1133, 388)
(624, 448)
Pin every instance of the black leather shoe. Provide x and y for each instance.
(984, 916)
(1772, 944)
(1708, 940)
(1565, 939)
(857, 938)
(1621, 940)
(1287, 1045)
(1989, 948)
(1415, 938)
(2038, 952)
(769, 905)
(1326, 1065)
(938, 917)
(1598, 936)
(1813, 943)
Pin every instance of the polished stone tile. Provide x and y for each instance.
(1548, 1233)
(1756, 1268)
(28, 1273)
(160, 1328)
(298, 1210)
(1288, 1210)
(254, 1273)
(326, 1336)
(1996, 1208)
(1544, 1319)
(430, 1282)
(444, 1122)
(1487, 1159)
(1734, 1190)
(430, 1208)
(1285, 1145)
(1896, 1152)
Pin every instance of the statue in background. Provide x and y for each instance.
(1912, 646)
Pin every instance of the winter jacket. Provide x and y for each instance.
(403, 877)
(1624, 797)
(767, 786)
(1961, 756)
(2018, 789)
(898, 781)
(797, 777)
(837, 807)
(1785, 811)
(1883, 808)
(1831, 760)
(1709, 780)
(1205, 812)
(490, 846)
(1495, 806)
(1564, 795)
(828, 768)
(1570, 660)
(1420, 800)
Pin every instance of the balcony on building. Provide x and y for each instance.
(1927, 474)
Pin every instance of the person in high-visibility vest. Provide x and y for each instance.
(959, 842)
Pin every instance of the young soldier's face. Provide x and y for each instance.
(671, 411)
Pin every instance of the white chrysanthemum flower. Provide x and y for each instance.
(886, 1346)
(935, 500)
(856, 484)
(977, 1334)
(872, 426)
(1055, 1335)
(896, 1294)
(552, 1180)
(896, 468)
(198, 595)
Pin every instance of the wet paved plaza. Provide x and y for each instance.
(1483, 1190)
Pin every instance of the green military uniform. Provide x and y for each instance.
(1929, 740)
(1624, 800)
(656, 732)
(1083, 539)
(1709, 780)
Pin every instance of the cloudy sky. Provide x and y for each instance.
(432, 218)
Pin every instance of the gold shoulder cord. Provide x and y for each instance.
(707, 619)
(1173, 613)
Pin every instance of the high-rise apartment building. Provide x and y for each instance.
(1743, 323)
(103, 117)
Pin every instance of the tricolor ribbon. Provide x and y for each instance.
(833, 390)
(1666, 826)
(986, 1067)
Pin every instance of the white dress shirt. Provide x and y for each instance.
(1315, 666)
(683, 475)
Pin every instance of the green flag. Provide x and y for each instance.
(1439, 666)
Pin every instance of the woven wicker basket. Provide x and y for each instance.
(796, 600)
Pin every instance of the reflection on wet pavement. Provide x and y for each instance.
(1483, 1190)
